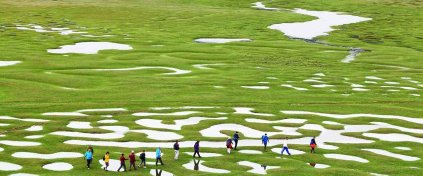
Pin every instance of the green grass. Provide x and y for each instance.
(393, 37)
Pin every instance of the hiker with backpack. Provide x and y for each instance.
(313, 144)
(229, 145)
(89, 157)
(142, 158)
(159, 156)
(236, 138)
(106, 159)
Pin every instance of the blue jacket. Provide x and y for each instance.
(312, 141)
(265, 139)
(236, 136)
(158, 153)
(196, 147)
(88, 155)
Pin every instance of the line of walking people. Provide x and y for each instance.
(158, 154)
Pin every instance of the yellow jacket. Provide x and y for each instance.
(106, 158)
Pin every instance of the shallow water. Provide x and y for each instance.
(159, 172)
(35, 128)
(256, 87)
(205, 154)
(107, 121)
(253, 152)
(198, 165)
(25, 120)
(318, 27)
(89, 48)
(58, 166)
(79, 125)
(64, 114)
(175, 70)
(159, 135)
(257, 168)
(59, 155)
(220, 40)
(261, 6)
(181, 113)
(19, 143)
(8, 63)
(297, 121)
(23, 174)
(346, 157)
(346, 116)
(6, 166)
(403, 148)
(319, 166)
(205, 66)
(394, 137)
(215, 131)
(249, 111)
(296, 88)
(393, 155)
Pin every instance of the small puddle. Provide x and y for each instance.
(257, 168)
(8, 63)
(6, 166)
(319, 166)
(393, 155)
(89, 48)
(220, 40)
(197, 165)
(58, 166)
(346, 157)
(160, 172)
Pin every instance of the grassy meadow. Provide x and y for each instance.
(162, 33)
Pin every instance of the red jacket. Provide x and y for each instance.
(132, 157)
(122, 159)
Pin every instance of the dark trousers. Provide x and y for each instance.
(265, 145)
(157, 161)
(142, 162)
(107, 165)
(236, 143)
(196, 152)
(89, 162)
(132, 164)
(122, 165)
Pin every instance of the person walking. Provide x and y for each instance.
(236, 138)
(229, 145)
(89, 157)
(265, 140)
(313, 144)
(106, 159)
(197, 149)
(132, 160)
(142, 158)
(122, 163)
(159, 156)
(285, 146)
(176, 148)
